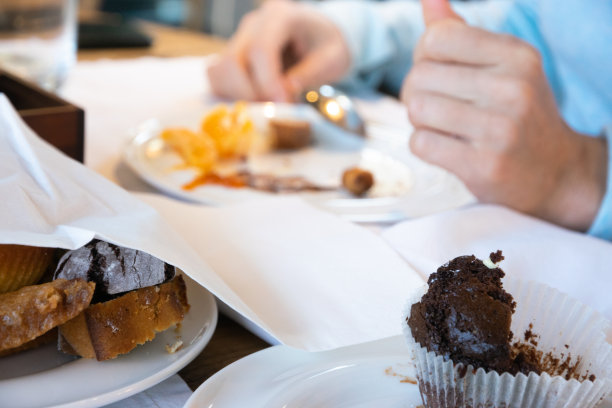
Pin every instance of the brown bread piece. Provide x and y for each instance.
(47, 338)
(290, 134)
(106, 330)
(33, 310)
(357, 181)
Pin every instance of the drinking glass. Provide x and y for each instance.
(38, 39)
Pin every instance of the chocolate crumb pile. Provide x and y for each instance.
(465, 316)
(562, 364)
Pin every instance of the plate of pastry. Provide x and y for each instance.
(109, 323)
(238, 152)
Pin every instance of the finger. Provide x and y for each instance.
(435, 10)
(457, 81)
(454, 42)
(229, 76)
(266, 59)
(241, 39)
(418, 54)
(452, 116)
(484, 88)
(266, 74)
(316, 68)
(448, 152)
(229, 79)
(463, 82)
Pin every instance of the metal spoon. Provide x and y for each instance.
(335, 106)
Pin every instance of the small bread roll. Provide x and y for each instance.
(357, 181)
(33, 310)
(22, 265)
(290, 134)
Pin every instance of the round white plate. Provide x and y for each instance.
(47, 377)
(375, 374)
(404, 185)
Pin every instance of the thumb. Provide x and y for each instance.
(435, 10)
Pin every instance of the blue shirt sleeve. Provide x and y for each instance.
(523, 21)
(602, 225)
(382, 36)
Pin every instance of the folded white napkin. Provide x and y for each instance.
(311, 279)
(572, 262)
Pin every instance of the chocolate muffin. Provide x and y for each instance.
(465, 316)
(459, 333)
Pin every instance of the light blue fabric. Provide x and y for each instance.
(602, 225)
(575, 39)
(382, 36)
(573, 36)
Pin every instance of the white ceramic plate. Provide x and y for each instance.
(404, 186)
(47, 377)
(375, 374)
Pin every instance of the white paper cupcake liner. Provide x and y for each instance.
(563, 326)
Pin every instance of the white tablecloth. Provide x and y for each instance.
(119, 95)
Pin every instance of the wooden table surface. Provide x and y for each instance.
(230, 342)
(167, 42)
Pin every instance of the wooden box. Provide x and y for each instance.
(53, 119)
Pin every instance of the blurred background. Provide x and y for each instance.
(218, 17)
(39, 38)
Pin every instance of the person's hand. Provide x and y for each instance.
(279, 50)
(482, 108)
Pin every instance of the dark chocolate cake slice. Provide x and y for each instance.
(114, 269)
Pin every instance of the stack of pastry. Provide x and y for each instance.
(104, 299)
